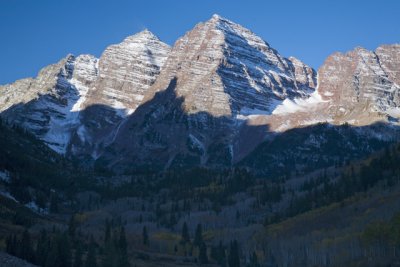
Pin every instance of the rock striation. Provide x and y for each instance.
(224, 69)
(125, 72)
(216, 76)
(49, 104)
(78, 102)
(362, 85)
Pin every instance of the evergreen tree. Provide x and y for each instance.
(172, 220)
(254, 260)
(110, 255)
(78, 256)
(145, 236)
(72, 226)
(91, 255)
(203, 258)
(123, 249)
(185, 234)
(26, 249)
(107, 234)
(110, 251)
(123, 246)
(64, 250)
(52, 256)
(53, 204)
(221, 255)
(233, 258)
(198, 237)
(11, 245)
(42, 248)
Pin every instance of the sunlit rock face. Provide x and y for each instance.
(226, 70)
(77, 103)
(49, 104)
(361, 85)
(216, 77)
(125, 72)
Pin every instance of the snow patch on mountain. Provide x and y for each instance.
(299, 104)
(75, 88)
(8, 195)
(196, 143)
(5, 176)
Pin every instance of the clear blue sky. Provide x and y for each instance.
(35, 33)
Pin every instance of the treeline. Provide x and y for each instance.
(382, 238)
(175, 193)
(31, 164)
(293, 149)
(70, 248)
(49, 250)
(195, 183)
(384, 169)
(224, 256)
(115, 247)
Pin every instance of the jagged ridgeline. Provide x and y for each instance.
(210, 100)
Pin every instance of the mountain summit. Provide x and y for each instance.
(226, 70)
(216, 76)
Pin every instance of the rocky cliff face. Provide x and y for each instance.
(216, 76)
(49, 105)
(361, 85)
(125, 72)
(78, 103)
(355, 108)
(224, 69)
(210, 100)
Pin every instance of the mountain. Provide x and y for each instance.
(223, 92)
(48, 105)
(354, 112)
(55, 105)
(363, 85)
(226, 70)
(125, 72)
(216, 76)
(218, 97)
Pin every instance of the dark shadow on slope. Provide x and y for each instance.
(88, 135)
(34, 113)
(49, 116)
(160, 134)
(302, 150)
(100, 125)
(237, 85)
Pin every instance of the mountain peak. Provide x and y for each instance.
(241, 72)
(143, 36)
(70, 56)
(217, 19)
(146, 33)
(227, 26)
